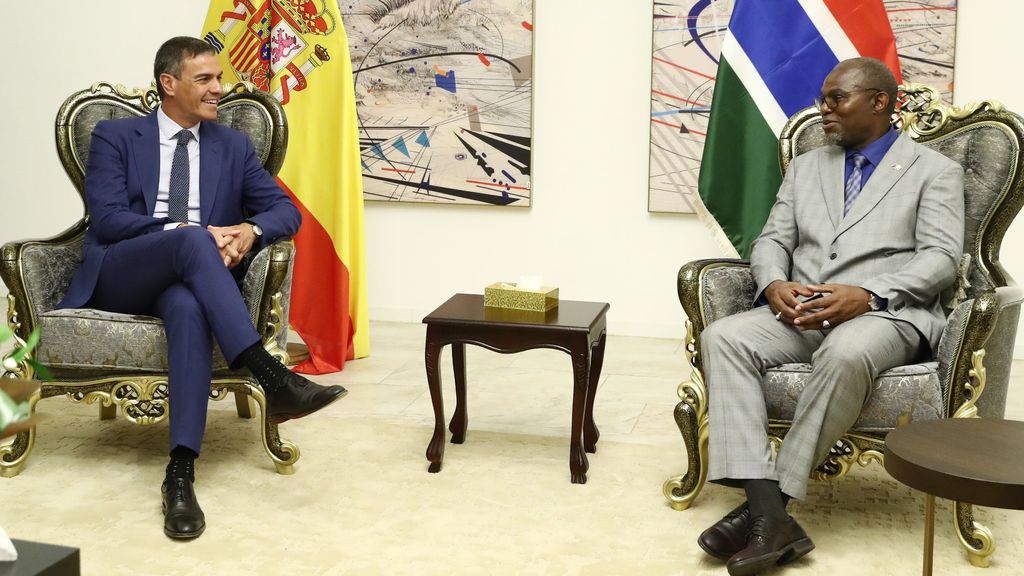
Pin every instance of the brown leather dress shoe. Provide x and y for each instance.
(727, 536)
(298, 397)
(183, 518)
(769, 545)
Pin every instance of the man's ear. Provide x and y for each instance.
(167, 83)
(879, 104)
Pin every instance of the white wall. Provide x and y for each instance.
(588, 231)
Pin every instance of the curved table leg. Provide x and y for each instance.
(578, 463)
(431, 356)
(590, 431)
(460, 420)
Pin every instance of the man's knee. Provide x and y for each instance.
(193, 238)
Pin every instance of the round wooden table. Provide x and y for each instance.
(972, 460)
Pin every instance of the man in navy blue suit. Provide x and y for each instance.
(168, 196)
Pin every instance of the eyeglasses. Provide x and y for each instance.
(836, 98)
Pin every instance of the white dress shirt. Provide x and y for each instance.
(168, 142)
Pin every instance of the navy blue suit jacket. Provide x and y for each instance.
(121, 187)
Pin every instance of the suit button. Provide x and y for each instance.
(833, 256)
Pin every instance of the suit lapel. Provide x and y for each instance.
(147, 159)
(893, 166)
(831, 170)
(209, 171)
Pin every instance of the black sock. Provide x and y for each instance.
(270, 373)
(182, 464)
(766, 499)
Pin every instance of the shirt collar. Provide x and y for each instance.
(875, 151)
(169, 128)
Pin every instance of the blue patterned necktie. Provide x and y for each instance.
(177, 192)
(853, 183)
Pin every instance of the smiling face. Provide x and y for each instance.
(853, 113)
(193, 95)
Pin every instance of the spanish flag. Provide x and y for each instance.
(298, 51)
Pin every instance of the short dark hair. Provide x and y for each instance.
(876, 74)
(172, 55)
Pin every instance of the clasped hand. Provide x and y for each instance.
(234, 242)
(838, 303)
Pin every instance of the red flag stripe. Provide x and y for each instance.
(863, 24)
(320, 277)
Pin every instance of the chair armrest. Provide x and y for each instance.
(988, 324)
(267, 288)
(37, 273)
(714, 288)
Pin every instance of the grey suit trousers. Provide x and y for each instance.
(738, 350)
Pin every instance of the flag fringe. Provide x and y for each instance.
(709, 222)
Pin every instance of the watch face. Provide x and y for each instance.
(257, 230)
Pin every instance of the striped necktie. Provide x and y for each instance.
(177, 192)
(853, 183)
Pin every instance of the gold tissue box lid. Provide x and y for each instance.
(507, 295)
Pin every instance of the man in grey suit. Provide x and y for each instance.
(871, 227)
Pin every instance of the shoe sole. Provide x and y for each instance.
(790, 553)
(281, 419)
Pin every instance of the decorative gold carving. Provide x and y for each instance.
(13, 455)
(974, 388)
(974, 537)
(273, 328)
(13, 368)
(284, 454)
(922, 112)
(143, 400)
(148, 98)
(681, 490)
(842, 456)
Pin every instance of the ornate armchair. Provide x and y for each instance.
(970, 374)
(120, 360)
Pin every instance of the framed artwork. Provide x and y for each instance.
(444, 99)
(687, 41)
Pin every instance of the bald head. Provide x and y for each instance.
(870, 73)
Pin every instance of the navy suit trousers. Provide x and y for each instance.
(178, 275)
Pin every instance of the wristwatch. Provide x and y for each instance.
(873, 302)
(255, 229)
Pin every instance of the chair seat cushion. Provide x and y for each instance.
(902, 394)
(92, 340)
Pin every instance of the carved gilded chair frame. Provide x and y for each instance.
(142, 396)
(925, 118)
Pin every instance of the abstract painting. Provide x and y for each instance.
(444, 99)
(687, 41)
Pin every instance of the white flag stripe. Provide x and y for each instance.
(829, 28)
(752, 81)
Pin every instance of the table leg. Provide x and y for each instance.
(578, 463)
(460, 420)
(929, 533)
(431, 356)
(590, 431)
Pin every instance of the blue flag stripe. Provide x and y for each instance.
(785, 48)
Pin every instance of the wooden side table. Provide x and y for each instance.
(972, 460)
(576, 328)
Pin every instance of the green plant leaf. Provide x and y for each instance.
(5, 332)
(42, 373)
(20, 353)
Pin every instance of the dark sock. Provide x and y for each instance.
(182, 464)
(270, 373)
(766, 499)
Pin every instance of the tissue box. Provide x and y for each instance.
(506, 295)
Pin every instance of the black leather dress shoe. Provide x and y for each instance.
(298, 397)
(183, 518)
(727, 536)
(769, 545)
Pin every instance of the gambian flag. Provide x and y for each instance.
(774, 59)
(297, 50)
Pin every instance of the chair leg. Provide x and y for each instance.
(974, 537)
(108, 412)
(13, 456)
(692, 419)
(284, 454)
(244, 405)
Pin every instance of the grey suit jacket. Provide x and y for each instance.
(902, 238)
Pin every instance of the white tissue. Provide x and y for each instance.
(7, 551)
(529, 282)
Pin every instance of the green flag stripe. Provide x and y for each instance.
(739, 172)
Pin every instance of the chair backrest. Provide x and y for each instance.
(243, 107)
(985, 139)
